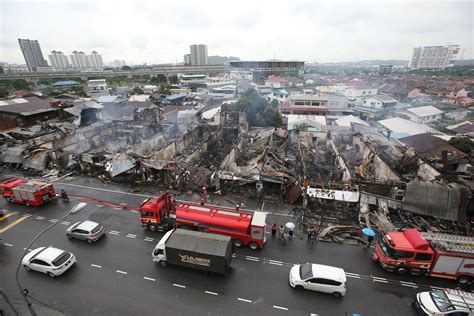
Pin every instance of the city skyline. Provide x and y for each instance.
(297, 31)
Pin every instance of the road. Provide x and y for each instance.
(117, 276)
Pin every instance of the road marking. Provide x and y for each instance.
(136, 212)
(27, 215)
(251, 259)
(40, 218)
(99, 205)
(96, 266)
(149, 279)
(244, 300)
(276, 263)
(211, 293)
(119, 271)
(353, 276)
(6, 216)
(53, 220)
(65, 223)
(437, 288)
(9, 245)
(114, 232)
(117, 208)
(18, 221)
(29, 249)
(149, 239)
(410, 285)
(280, 307)
(380, 280)
(179, 285)
(131, 236)
(407, 283)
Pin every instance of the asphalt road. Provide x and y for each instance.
(116, 276)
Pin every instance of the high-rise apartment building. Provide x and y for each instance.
(198, 54)
(79, 60)
(187, 59)
(96, 60)
(434, 57)
(58, 60)
(33, 55)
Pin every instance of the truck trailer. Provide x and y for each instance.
(210, 253)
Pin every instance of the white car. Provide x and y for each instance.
(318, 277)
(444, 302)
(50, 260)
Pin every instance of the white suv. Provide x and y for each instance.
(318, 277)
(52, 261)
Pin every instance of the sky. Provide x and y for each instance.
(160, 31)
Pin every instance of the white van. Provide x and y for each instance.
(444, 302)
(318, 277)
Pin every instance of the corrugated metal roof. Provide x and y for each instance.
(26, 106)
(403, 128)
(425, 111)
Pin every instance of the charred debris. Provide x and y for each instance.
(338, 178)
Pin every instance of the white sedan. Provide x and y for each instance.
(50, 260)
(318, 277)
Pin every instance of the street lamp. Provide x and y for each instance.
(24, 292)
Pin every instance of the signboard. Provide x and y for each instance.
(195, 260)
(346, 196)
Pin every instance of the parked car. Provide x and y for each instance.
(49, 260)
(86, 230)
(318, 277)
(444, 302)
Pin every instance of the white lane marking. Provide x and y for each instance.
(410, 285)
(29, 249)
(352, 276)
(9, 245)
(114, 232)
(149, 279)
(380, 280)
(244, 300)
(211, 293)
(40, 218)
(280, 307)
(136, 212)
(65, 223)
(251, 259)
(149, 239)
(407, 283)
(131, 236)
(437, 288)
(117, 208)
(179, 285)
(96, 266)
(276, 263)
(53, 220)
(27, 215)
(119, 271)
(99, 205)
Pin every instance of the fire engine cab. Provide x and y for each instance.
(423, 253)
(245, 228)
(28, 192)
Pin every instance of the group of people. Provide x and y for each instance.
(282, 230)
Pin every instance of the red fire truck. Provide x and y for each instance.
(27, 192)
(433, 254)
(246, 228)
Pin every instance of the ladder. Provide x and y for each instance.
(466, 300)
(449, 242)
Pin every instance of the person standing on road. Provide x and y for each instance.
(370, 239)
(290, 232)
(281, 232)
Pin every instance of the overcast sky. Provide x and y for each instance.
(160, 31)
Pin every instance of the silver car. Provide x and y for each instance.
(86, 230)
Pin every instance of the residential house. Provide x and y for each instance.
(356, 92)
(24, 112)
(304, 104)
(280, 95)
(305, 122)
(277, 82)
(379, 101)
(424, 114)
(97, 88)
(399, 128)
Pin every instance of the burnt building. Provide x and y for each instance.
(24, 112)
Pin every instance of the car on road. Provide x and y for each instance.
(49, 260)
(318, 277)
(86, 230)
(444, 302)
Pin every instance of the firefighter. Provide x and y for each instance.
(202, 200)
(274, 229)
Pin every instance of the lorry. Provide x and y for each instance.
(444, 302)
(202, 251)
(245, 228)
(425, 253)
(27, 192)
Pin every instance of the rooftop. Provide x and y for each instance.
(347, 120)
(403, 128)
(427, 145)
(25, 106)
(425, 111)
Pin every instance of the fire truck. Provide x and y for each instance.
(424, 253)
(245, 228)
(28, 192)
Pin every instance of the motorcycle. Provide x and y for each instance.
(65, 197)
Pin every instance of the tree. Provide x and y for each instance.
(160, 78)
(126, 68)
(164, 88)
(3, 92)
(174, 79)
(463, 144)
(258, 111)
(20, 84)
(274, 103)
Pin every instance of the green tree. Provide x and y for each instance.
(274, 103)
(164, 88)
(258, 111)
(20, 84)
(3, 92)
(160, 78)
(174, 79)
(463, 144)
